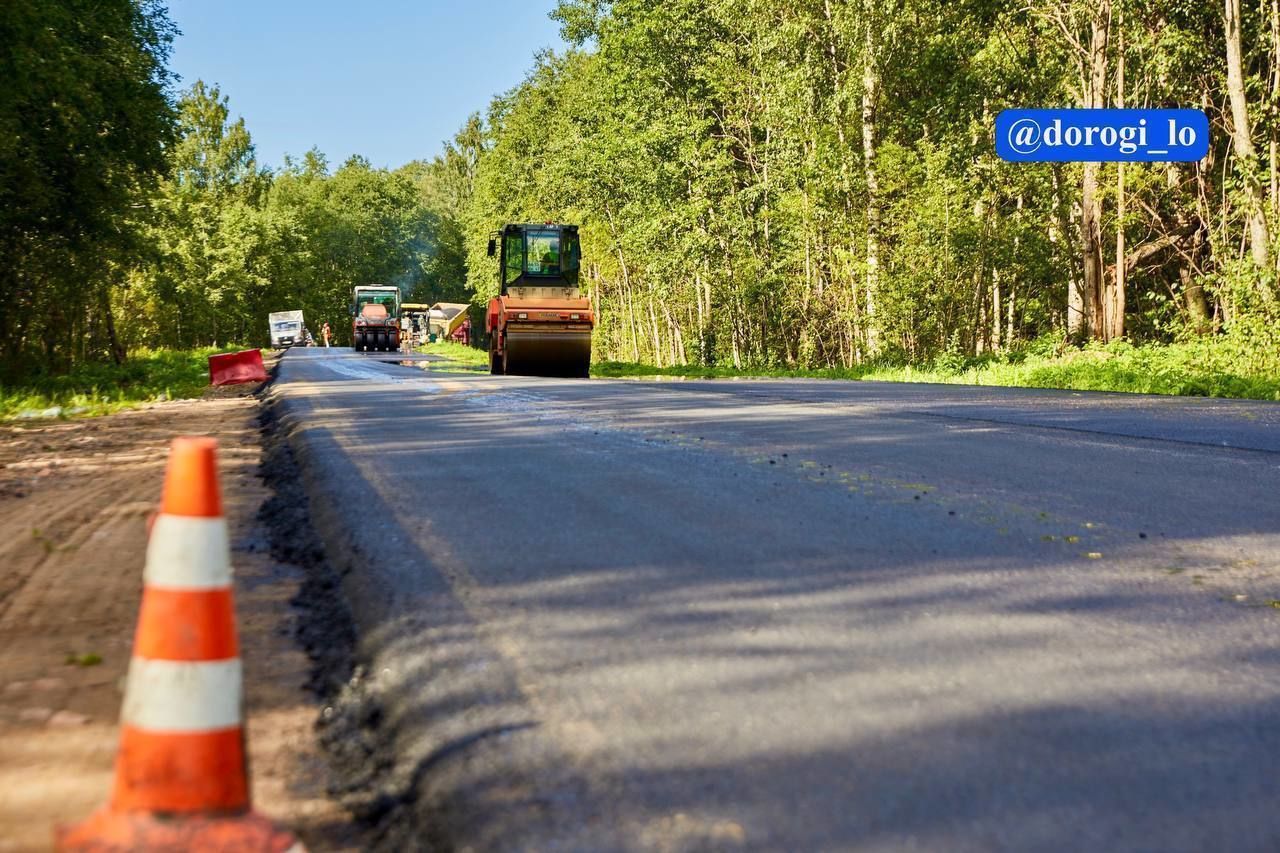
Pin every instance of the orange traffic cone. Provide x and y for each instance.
(182, 779)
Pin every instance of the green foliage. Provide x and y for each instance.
(456, 352)
(1208, 367)
(788, 186)
(232, 242)
(711, 153)
(736, 166)
(84, 120)
(1243, 365)
(95, 388)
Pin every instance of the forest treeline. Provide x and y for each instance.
(814, 183)
(226, 242)
(134, 214)
(799, 183)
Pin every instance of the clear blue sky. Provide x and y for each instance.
(387, 79)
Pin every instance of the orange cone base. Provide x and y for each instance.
(110, 831)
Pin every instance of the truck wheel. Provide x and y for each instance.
(495, 364)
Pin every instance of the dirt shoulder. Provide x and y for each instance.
(74, 501)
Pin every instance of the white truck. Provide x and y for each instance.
(286, 329)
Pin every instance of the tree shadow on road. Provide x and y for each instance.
(888, 680)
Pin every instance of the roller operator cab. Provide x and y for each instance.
(539, 324)
(375, 318)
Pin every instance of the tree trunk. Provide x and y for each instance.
(870, 97)
(1090, 322)
(1114, 307)
(113, 340)
(1192, 288)
(1273, 112)
(633, 324)
(1242, 137)
(1063, 229)
(996, 305)
(675, 336)
(1086, 321)
(702, 318)
(657, 333)
(841, 265)
(596, 295)
(1013, 301)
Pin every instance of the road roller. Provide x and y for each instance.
(375, 318)
(539, 324)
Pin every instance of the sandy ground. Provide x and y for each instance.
(74, 502)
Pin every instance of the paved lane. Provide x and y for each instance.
(797, 615)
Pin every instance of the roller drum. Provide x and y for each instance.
(548, 353)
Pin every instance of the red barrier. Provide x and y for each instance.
(234, 368)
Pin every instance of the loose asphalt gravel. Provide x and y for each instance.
(796, 615)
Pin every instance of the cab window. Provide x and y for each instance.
(513, 255)
(543, 256)
(569, 261)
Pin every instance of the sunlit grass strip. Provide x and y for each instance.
(456, 352)
(1214, 367)
(100, 388)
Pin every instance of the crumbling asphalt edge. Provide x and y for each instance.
(353, 619)
(326, 630)
(433, 741)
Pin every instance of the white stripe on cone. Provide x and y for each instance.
(188, 553)
(182, 696)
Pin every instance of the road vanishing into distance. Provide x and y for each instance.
(798, 615)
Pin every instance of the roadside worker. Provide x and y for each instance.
(325, 332)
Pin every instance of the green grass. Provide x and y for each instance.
(456, 352)
(96, 388)
(630, 369)
(1222, 366)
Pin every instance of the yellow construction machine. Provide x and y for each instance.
(539, 323)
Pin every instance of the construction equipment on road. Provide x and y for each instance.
(182, 780)
(413, 324)
(286, 329)
(375, 318)
(539, 323)
(450, 321)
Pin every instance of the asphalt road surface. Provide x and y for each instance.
(799, 615)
